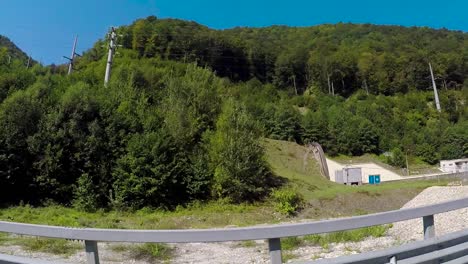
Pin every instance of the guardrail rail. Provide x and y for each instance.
(272, 233)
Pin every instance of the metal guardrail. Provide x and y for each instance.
(273, 233)
(7, 259)
(451, 248)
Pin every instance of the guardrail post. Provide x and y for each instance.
(92, 255)
(429, 228)
(274, 246)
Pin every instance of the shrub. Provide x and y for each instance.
(85, 196)
(397, 159)
(287, 201)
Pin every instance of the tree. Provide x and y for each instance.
(152, 173)
(398, 158)
(141, 34)
(20, 115)
(236, 156)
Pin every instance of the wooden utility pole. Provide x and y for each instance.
(436, 95)
(112, 45)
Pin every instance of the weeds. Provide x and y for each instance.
(291, 243)
(288, 256)
(48, 245)
(347, 236)
(248, 244)
(152, 251)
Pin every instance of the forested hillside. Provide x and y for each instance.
(186, 106)
(8, 47)
(382, 59)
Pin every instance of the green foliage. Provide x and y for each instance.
(378, 59)
(196, 215)
(428, 153)
(397, 158)
(347, 236)
(152, 251)
(159, 136)
(48, 245)
(286, 124)
(236, 156)
(287, 201)
(291, 243)
(152, 172)
(147, 251)
(85, 195)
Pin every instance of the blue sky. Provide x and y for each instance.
(45, 28)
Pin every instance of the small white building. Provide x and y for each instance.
(349, 176)
(458, 165)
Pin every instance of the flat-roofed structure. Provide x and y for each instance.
(454, 166)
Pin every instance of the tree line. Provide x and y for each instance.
(160, 135)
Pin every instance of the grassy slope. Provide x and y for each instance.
(327, 199)
(287, 160)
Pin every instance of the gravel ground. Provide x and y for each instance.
(234, 252)
(444, 223)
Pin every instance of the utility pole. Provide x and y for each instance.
(110, 56)
(294, 80)
(29, 61)
(365, 86)
(436, 96)
(407, 166)
(72, 57)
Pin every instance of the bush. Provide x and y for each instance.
(287, 201)
(397, 158)
(85, 196)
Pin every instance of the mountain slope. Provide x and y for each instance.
(380, 59)
(12, 49)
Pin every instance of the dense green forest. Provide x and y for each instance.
(182, 117)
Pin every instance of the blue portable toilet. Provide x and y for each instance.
(377, 179)
(374, 179)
